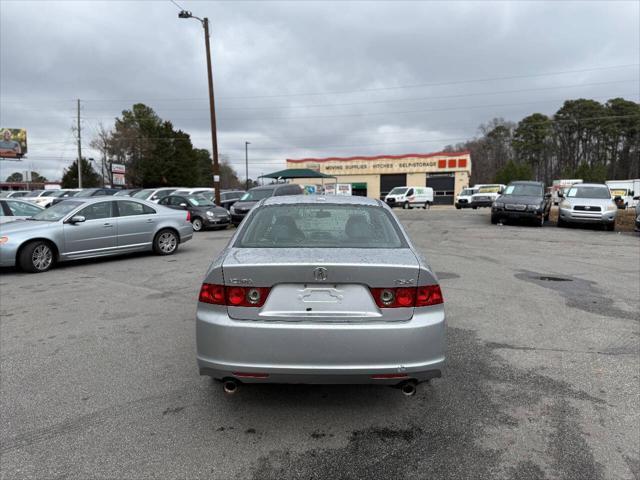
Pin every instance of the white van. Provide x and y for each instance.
(625, 189)
(409, 197)
(463, 200)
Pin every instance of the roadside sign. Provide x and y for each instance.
(118, 179)
(118, 168)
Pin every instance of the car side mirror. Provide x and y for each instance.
(183, 205)
(560, 194)
(155, 197)
(77, 219)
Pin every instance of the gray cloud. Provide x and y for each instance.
(266, 54)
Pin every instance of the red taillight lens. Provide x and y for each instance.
(233, 296)
(210, 293)
(429, 295)
(407, 296)
(188, 216)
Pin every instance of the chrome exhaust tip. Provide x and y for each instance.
(230, 387)
(408, 389)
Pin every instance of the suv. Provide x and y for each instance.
(522, 201)
(240, 208)
(588, 203)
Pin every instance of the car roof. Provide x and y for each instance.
(108, 198)
(525, 182)
(589, 185)
(321, 199)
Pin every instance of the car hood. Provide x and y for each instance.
(594, 202)
(520, 199)
(20, 226)
(244, 205)
(211, 208)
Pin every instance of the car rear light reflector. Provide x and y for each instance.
(188, 216)
(233, 296)
(250, 375)
(404, 297)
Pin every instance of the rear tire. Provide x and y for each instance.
(427, 205)
(166, 242)
(36, 257)
(610, 227)
(197, 224)
(561, 223)
(540, 223)
(406, 206)
(458, 207)
(475, 208)
(494, 219)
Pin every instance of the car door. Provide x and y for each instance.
(136, 225)
(96, 235)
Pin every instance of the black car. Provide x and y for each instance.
(230, 197)
(204, 213)
(240, 209)
(522, 201)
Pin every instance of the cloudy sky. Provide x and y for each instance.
(306, 78)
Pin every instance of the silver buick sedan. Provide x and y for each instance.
(315, 289)
(92, 227)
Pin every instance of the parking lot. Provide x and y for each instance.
(99, 378)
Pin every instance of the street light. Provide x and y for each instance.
(212, 107)
(246, 161)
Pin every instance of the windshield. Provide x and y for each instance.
(323, 226)
(199, 201)
(589, 192)
(398, 191)
(144, 193)
(466, 191)
(35, 193)
(255, 195)
(57, 212)
(85, 193)
(489, 189)
(52, 193)
(524, 190)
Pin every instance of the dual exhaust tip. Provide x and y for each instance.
(408, 388)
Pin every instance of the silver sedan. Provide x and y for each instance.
(92, 227)
(315, 289)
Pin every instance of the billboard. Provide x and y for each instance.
(118, 168)
(13, 142)
(118, 179)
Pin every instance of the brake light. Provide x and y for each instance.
(233, 296)
(188, 216)
(404, 297)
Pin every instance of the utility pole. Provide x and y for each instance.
(212, 106)
(79, 150)
(246, 161)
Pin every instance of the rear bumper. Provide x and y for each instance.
(321, 353)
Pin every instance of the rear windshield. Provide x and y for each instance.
(199, 201)
(589, 192)
(524, 190)
(144, 193)
(255, 195)
(322, 226)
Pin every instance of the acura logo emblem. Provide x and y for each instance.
(587, 207)
(320, 274)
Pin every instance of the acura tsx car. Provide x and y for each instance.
(91, 227)
(320, 290)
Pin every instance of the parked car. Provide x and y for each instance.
(54, 197)
(66, 194)
(12, 209)
(154, 194)
(463, 200)
(92, 227)
(588, 203)
(127, 192)
(41, 197)
(409, 197)
(320, 290)
(626, 190)
(14, 193)
(204, 191)
(522, 201)
(204, 213)
(95, 192)
(240, 208)
(229, 198)
(486, 195)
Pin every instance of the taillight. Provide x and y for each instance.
(233, 296)
(403, 297)
(188, 216)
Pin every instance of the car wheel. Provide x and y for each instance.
(546, 217)
(540, 223)
(610, 227)
(36, 257)
(475, 208)
(494, 219)
(458, 207)
(561, 223)
(427, 205)
(405, 205)
(166, 242)
(197, 224)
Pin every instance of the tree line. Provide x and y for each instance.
(154, 153)
(584, 139)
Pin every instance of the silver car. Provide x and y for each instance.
(12, 209)
(588, 203)
(92, 227)
(315, 289)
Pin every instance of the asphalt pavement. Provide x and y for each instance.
(98, 377)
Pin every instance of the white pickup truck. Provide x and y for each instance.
(463, 200)
(486, 195)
